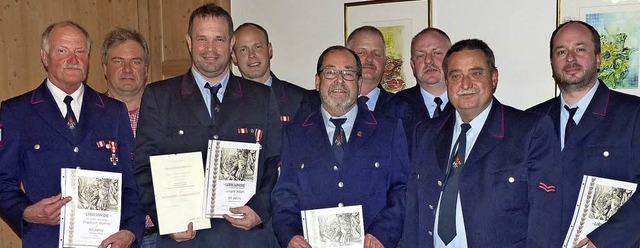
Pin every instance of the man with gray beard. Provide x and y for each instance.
(342, 154)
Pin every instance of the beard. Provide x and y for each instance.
(568, 82)
(337, 106)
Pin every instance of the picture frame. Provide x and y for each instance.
(399, 21)
(619, 28)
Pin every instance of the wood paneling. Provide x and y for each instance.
(162, 22)
(170, 21)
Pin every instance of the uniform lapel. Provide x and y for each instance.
(594, 114)
(44, 104)
(233, 95)
(192, 97)
(443, 141)
(492, 134)
(363, 127)
(91, 112)
(278, 90)
(316, 134)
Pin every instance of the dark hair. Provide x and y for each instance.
(339, 48)
(470, 44)
(46, 45)
(429, 30)
(119, 36)
(364, 29)
(250, 24)
(210, 10)
(595, 36)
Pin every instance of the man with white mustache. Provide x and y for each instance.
(341, 154)
(485, 174)
(598, 131)
(429, 96)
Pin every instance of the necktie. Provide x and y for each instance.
(339, 138)
(362, 100)
(70, 117)
(215, 103)
(437, 111)
(447, 211)
(571, 124)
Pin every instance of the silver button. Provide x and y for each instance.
(511, 179)
(335, 167)
(180, 132)
(605, 154)
(439, 183)
(430, 233)
(340, 204)
(75, 149)
(36, 146)
(108, 146)
(377, 164)
(340, 184)
(302, 166)
(431, 207)
(216, 136)
(418, 176)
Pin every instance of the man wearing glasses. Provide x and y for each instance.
(341, 154)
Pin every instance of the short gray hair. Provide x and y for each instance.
(46, 45)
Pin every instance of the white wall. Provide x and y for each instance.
(517, 31)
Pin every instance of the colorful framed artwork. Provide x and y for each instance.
(398, 21)
(618, 23)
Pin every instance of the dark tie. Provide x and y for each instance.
(447, 211)
(571, 124)
(339, 138)
(215, 103)
(362, 100)
(70, 117)
(437, 111)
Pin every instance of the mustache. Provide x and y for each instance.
(572, 65)
(72, 66)
(468, 91)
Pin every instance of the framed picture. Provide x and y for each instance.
(618, 23)
(398, 21)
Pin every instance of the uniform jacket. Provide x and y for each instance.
(288, 96)
(36, 143)
(175, 119)
(504, 202)
(606, 144)
(373, 174)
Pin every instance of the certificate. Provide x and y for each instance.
(339, 227)
(93, 214)
(177, 181)
(598, 200)
(231, 176)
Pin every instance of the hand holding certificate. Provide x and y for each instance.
(178, 182)
(598, 200)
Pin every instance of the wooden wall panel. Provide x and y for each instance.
(162, 22)
(22, 23)
(169, 21)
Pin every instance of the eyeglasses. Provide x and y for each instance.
(331, 73)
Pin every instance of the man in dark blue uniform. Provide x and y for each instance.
(61, 124)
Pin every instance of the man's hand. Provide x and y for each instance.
(371, 241)
(298, 242)
(121, 239)
(46, 211)
(586, 241)
(249, 219)
(189, 234)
